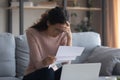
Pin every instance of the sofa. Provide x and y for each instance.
(14, 54)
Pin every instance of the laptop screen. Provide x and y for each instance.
(84, 71)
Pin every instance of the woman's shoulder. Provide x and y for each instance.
(31, 29)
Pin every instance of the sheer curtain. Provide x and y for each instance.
(111, 24)
(119, 22)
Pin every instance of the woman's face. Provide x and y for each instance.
(56, 29)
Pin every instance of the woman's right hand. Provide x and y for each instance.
(48, 60)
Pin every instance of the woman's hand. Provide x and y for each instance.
(66, 62)
(69, 34)
(48, 60)
(68, 30)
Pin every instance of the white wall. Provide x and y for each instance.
(30, 16)
(2, 16)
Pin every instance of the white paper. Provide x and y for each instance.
(69, 51)
(65, 58)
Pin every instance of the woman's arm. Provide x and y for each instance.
(68, 38)
(35, 55)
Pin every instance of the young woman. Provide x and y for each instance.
(44, 38)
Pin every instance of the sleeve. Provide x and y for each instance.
(35, 56)
(66, 41)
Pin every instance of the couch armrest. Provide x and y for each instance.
(7, 55)
(107, 56)
(89, 40)
(116, 70)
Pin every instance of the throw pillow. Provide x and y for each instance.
(22, 55)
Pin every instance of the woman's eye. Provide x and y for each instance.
(59, 30)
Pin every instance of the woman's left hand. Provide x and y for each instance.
(48, 60)
(66, 62)
(68, 30)
(69, 34)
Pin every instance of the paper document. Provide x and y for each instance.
(68, 53)
(65, 58)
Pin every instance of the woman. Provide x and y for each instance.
(44, 38)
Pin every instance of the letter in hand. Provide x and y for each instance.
(48, 60)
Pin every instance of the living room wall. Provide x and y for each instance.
(31, 15)
(2, 16)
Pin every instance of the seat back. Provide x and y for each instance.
(7, 55)
(21, 54)
(89, 40)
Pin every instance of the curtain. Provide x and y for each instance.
(119, 23)
(111, 24)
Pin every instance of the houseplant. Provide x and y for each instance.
(85, 24)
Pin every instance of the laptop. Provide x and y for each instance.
(84, 71)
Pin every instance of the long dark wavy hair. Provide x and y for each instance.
(53, 16)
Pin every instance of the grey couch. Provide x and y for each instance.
(14, 54)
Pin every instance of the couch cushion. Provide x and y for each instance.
(89, 40)
(7, 55)
(116, 70)
(107, 56)
(22, 54)
(9, 78)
